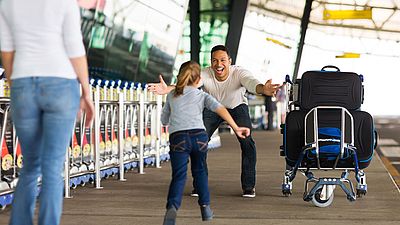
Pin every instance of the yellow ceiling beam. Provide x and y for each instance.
(349, 55)
(278, 42)
(347, 14)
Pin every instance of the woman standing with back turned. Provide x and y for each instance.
(183, 111)
(44, 61)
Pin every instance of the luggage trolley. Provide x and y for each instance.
(131, 154)
(325, 130)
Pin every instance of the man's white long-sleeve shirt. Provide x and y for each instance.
(230, 92)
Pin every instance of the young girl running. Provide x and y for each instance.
(183, 112)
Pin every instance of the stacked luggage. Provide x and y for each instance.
(326, 130)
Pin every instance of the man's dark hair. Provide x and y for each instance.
(220, 48)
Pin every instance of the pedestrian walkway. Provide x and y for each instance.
(141, 199)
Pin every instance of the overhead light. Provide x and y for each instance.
(347, 14)
(349, 55)
(278, 42)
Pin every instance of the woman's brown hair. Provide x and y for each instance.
(189, 72)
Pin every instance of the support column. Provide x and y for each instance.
(304, 24)
(194, 13)
(238, 12)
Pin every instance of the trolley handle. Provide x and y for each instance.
(287, 79)
(330, 67)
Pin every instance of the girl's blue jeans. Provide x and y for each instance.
(184, 145)
(43, 110)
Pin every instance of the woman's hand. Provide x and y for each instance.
(86, 106)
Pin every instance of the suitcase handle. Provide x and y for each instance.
(330, 66)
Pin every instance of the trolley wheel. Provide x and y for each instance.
(74, 186)
(317, 201)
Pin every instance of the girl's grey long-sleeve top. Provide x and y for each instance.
(185, 112)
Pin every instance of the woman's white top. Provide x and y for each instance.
(44, 34)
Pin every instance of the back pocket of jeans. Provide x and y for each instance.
(202, 142)
(178, 142)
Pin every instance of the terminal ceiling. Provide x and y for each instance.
(384, 24)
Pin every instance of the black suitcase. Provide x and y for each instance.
(325, 88)
(364, 136)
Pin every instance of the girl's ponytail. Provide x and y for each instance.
(189, 72)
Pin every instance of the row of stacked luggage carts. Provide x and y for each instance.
(126, 135)
(11, 157)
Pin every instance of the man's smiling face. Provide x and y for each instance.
(220, 62)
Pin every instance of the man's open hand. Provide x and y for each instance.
(159, 88)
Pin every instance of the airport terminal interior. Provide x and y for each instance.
(328, 143)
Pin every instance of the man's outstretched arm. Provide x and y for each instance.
(160, 88)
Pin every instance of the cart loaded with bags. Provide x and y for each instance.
(326, 130)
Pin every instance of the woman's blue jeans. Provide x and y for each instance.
(185, 144)
(43, 110)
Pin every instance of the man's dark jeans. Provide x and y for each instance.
(240, 115)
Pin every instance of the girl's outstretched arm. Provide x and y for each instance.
(241, 132)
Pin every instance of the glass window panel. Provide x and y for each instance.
(133, 39)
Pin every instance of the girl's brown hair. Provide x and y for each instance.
(189, 72)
